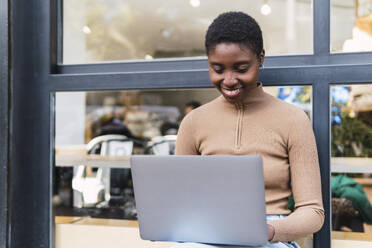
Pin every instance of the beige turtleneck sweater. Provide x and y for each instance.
(278, 131)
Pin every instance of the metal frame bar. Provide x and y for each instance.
(336, 59)
(274, 76)
(30, 169)
(36, 76)
(321, 125)
(321, 27)
(4, 122)
(54, 32)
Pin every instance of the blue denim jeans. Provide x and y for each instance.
(291, 244)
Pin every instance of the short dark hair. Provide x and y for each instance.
(235, 27)
(193, 104)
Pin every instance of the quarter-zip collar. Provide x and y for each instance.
(254, 96)
(239, 126)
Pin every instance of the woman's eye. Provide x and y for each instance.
(241, 70)
(218, 70)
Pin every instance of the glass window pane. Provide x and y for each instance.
(351, 164)
(102, 30)
(301, 96)
(351, 25)
(92, 186)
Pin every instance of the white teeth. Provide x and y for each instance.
(232, 92)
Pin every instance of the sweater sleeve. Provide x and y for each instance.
(308, 215)
(186, 143)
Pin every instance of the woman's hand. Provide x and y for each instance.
(270, 232)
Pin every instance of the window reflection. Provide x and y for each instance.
(95, 134)
(97, 131)
(351, 163)
(351, 26)
(101, 30)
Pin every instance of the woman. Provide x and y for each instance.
(246, 120)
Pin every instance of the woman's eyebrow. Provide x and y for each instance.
(245, 62)
(215, 63)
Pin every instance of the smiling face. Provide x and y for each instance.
(233, 69)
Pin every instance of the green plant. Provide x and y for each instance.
(351, 138)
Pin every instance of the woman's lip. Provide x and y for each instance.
(231, 92)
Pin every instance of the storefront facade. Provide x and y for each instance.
(31, 73)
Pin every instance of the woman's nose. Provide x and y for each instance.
(230, 80)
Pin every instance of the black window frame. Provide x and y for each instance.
(4, 122)
(35, 76)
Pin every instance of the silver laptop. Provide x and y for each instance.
(205, 199)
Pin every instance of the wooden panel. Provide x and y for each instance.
(350, 244)
(92, 160)
(351, 165)
(98, 236)
(352, 236)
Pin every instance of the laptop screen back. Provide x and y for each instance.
(208, 199)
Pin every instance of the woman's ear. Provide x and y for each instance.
(262, 57)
